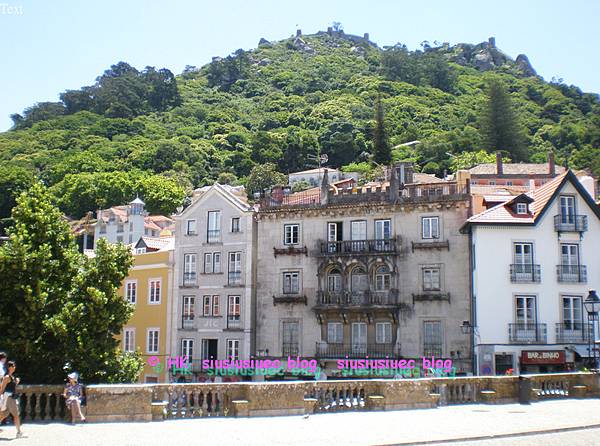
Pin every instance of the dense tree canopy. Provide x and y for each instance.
(283, 103)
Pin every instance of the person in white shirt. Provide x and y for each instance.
(2, 364)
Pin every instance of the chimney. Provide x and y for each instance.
(551, 165)
(325, 189)
(499, 163)
(531, 184)
(393, 187)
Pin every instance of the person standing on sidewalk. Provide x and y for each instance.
(9, 387)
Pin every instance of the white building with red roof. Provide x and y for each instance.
(533, 262)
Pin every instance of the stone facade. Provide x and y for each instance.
(376, 273)
(214, 277)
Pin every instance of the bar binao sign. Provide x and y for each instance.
(542, 357)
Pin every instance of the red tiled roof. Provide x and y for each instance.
(503, 212)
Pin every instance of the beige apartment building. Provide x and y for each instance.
(380, 271)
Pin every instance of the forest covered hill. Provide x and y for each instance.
(160, 135)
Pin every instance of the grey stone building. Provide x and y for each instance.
(213, 286)
(378, 271)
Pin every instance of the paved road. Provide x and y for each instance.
(585, 437)
(350, 428)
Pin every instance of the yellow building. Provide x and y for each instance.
(148, 288)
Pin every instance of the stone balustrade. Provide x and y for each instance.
(145, 402)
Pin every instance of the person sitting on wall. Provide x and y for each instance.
(73, 394)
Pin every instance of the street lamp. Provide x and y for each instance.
(592, 306)
(466, 327)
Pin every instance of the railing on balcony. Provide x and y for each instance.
(354, 247)
(356, 350)
(187, 321)
(525, 273)
(290, 349)
(571, 273)
(234, 278)
(574, 332)
(234, 322)
(189, 279)
(432, 191)
(350, 298)
(570, 223)
(527, 333)
(213, 235)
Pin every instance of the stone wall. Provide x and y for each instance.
(141, 402)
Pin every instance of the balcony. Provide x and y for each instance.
(213, 236)
(571, 273)
(326, 350)
(574, 333)
(527, 333)
(234, 323)
(290, 349)
(188, 322)
(348, 298)
(234, 278)
(189, 279)
(525, 273)
(359, 247)
(570, 223)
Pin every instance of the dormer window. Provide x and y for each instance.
(521, 208)
(520, 204)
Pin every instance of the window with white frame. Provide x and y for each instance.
(152, 340)
(572, 314)
(291, 282)
(211, 306)
(382, 278)
(430, 227)
(188, 310)
(213, 234)
(189, 269)
(291, 234)
(233, 349)
(129, 339)
(432, 338)
(154, 289)
(131, 291)
(334, 281)
(235, 268)
(235, 224)
(383, 333)
(190, 227)
(233, 308)
(521, 208)
(431, 279)
(335, 333)
(187, 349)
(212, 262)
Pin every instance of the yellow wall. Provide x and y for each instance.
(152, 265)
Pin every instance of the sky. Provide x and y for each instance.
(47, 47)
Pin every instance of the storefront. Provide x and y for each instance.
(545, 361)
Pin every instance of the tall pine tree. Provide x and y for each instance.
(382, 153)
(499, 123)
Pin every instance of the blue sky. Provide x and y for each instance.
(50, 46)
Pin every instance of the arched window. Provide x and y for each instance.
(358, 280)
(382, 278)
(334, 281)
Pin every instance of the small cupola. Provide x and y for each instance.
(136, 207)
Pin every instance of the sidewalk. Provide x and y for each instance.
(350, 428)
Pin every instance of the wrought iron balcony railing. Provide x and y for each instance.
(574, 332)
(290, 349)
(328, 350)
(525, 273)
(213, 235)
(234, 322)
(187, 322)
(571, 273)
(527, 333)
(234, 278)
(349, 298)
(570, 223)
(189, 279)
(359, 247)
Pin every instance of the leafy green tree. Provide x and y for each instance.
(58, 306)
(301, 185)
(264, 176)
(466, 160)
(38, 112)
(13, 181)
(500, 126)
(162, 195)
(382, 152)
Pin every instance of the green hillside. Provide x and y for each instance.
(159, 135)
